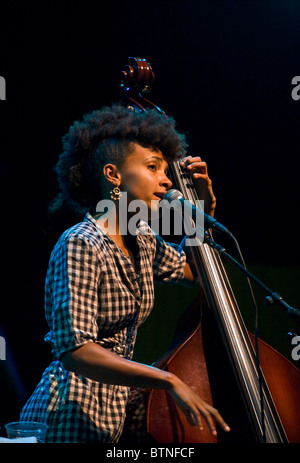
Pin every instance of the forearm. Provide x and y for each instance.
(99, 364)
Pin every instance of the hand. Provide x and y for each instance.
(202, 182)
(194, 407)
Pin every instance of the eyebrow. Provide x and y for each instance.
(155, 156)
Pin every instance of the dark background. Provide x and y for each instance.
(223, 70)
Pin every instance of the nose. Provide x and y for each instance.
(166, 182)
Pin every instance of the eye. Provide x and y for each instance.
(152, 167)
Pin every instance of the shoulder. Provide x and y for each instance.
(83, 234)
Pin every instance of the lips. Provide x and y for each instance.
(160, 195)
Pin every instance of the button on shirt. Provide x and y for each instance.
(94, 294)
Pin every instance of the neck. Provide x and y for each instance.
(115, 225)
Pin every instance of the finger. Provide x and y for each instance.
(197, 175)
(189, 159)
(197, 419)
(199, 166)
(194, 418)
(192, 415)
(221, 421)
(213, 412)
(210, 422)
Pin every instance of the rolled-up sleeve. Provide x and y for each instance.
(169, 262)
(72, 295)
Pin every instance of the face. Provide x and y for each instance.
(144, 176)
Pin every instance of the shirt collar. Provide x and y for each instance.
(142, 230)
(142, 226)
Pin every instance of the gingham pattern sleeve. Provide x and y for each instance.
(169, 262)
(74, 274)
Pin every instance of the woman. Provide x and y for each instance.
(99, 283)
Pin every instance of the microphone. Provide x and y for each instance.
(179, 202)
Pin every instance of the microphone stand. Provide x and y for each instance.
(272, 298)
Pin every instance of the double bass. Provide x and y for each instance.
(256, 389)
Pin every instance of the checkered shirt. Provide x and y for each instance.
(94, 294)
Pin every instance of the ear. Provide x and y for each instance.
(112, 174)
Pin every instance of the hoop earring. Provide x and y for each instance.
(116, 193)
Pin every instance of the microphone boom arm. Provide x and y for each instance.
(272, 298)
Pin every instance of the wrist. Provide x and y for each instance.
(210, 206)
(170, 381)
